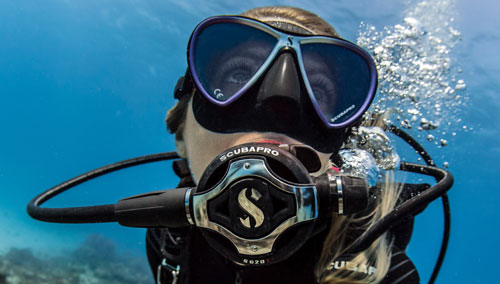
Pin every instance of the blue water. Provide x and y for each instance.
(88, 83)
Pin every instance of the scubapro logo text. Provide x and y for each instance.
(247, 150)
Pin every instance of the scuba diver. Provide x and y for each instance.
(269, 190)
(305, 99)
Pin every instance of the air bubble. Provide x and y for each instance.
(411, 22)
(460, 85)
(418, 75)
(378, 49)
(413, 111)
(405, 124)
(427, 125)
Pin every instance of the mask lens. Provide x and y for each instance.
(227, 56)
(339, 80)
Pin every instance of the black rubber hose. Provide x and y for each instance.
(89, 214)
(413, 143)
(446, 237)
(444, 198)
(444, 182)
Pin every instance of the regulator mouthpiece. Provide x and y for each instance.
(257, 204)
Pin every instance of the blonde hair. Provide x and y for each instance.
(337, 241)
(296, 16)
(377, 255)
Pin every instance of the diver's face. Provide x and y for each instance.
(202, 145)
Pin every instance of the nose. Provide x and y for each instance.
(280, 90)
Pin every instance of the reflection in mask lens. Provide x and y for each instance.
(338, 77)
(227, 56)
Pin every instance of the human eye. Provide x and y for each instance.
(238, 71)
(231, 72)
(323, 89)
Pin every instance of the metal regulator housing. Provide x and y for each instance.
(255, 204)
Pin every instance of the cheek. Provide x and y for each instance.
(325, 163)
(202, 146)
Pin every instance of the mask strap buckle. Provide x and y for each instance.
(179, 88)
(173, 270)
(183, 86)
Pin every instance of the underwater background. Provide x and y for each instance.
(87, 83)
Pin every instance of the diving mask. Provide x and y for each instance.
(227, 55)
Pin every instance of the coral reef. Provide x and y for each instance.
(94, 261)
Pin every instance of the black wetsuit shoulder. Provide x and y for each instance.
(201, 264)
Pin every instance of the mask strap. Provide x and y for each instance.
(183, 86)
